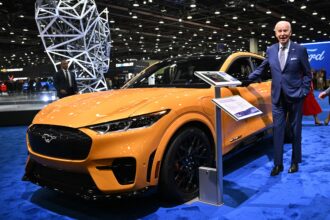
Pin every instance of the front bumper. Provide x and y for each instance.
(116, 164)
(77, 184)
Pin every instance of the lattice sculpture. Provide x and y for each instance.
(74, 30)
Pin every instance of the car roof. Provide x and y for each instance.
(218, 55)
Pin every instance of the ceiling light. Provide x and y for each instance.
(250, 22)
(239, 28)
(311, 29)
(251, 5)
(189, 16)
(112, 21)
(291, 0)
(293, 22)
(283, 17)
(193, 5)
(134, 16)
(21, 16)
(235, 17)
(180, 19)
(314, 13)
(225, 25)
(268, 12)
(215, 32)
(163, 10)
(217, 12)
(303, 26)
(207, 21)
(136, 4)
(322, 18)
(161, 22)
(302, 7)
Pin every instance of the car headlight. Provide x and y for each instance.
(140, 121)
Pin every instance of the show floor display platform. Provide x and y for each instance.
(249, 191)
(20, 109)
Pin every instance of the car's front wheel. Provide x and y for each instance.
(188, 150)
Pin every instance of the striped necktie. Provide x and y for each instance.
(282, 57)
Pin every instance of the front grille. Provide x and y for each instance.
(80, 184)
(59, 142)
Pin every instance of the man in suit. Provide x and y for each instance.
(65, 81)
(291, 78)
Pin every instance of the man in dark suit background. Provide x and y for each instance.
(65, 81)
(291, 78)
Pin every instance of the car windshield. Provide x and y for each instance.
(178, 72)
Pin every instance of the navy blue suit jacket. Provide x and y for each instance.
(294, 80)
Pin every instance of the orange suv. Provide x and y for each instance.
(155, 131)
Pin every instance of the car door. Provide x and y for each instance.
(234, 131)
(261, 98)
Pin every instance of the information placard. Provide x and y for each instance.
(237, 107)
(217, 78)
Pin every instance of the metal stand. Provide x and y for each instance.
(210, 179)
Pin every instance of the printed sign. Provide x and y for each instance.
(319, 55)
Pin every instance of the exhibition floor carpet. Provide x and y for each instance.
(249, 191)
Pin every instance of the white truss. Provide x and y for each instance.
(74, 30)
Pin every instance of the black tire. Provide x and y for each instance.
(188, 150)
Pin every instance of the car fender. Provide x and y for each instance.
(169, 133)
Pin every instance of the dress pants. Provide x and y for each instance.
(280, 110)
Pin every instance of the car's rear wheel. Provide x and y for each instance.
(189, 149)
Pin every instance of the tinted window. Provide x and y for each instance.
(266, 75)
(240, 68)
(176, 73)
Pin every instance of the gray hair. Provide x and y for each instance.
(283, 22)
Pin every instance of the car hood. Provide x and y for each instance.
(94, 108)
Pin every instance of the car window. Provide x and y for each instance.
(240, 68)
(266, 75)
(176, 73)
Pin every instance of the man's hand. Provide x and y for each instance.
(63, 92)
(322, 95)
(246, 82)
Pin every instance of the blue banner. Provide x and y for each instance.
(319, 56)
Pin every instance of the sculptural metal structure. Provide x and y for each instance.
(75, 31)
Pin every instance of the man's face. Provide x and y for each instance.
(283, 32)
(64, 65)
